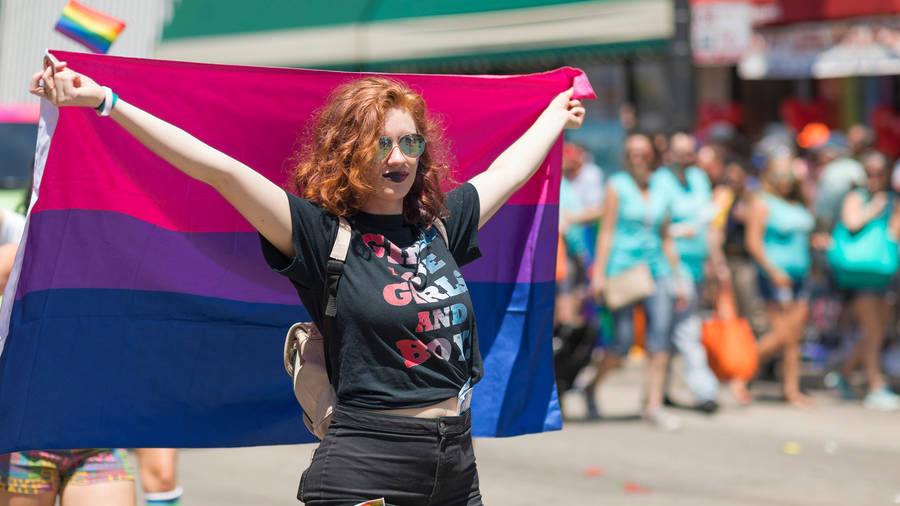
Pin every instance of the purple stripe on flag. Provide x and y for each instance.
(102, 249)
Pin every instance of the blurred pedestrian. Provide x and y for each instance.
(633, 235)
(734, 268)
(873, 205)
(777, 236)
(691, 212)
(860, 139)
(580, 198)
(837, 173)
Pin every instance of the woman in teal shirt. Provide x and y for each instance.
(777, 237)
(864, 207)
(634, 233)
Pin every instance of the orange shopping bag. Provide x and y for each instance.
(729, 342)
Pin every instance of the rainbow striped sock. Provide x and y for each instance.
(170, 498)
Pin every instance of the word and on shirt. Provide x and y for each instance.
(426, 286)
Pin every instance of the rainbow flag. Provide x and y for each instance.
(90, 27)
(141, 312)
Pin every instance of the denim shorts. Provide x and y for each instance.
(367, 455)
(799, 289)
(659, 309)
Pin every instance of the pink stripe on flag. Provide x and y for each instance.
(223, 106)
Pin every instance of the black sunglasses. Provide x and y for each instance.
(412, 145)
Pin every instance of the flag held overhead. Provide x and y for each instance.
(141, 312)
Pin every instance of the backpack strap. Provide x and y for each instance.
(335, 267)
(439, 225)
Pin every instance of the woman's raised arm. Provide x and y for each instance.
(259, 201)
(515, 166)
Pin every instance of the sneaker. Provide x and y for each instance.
(882, 399)
(590, 402)
(664, 420)
(836, 381)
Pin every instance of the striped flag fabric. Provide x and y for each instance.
(140, 311)
(90, 27)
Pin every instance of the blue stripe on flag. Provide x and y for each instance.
(161, 369)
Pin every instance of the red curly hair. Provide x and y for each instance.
(333, 169)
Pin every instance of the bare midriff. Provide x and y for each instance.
(443, 408)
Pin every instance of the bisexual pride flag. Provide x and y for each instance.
(141, 312)
(90, 27)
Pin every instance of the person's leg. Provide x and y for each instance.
(659, 309)
(751, 306)
(113, 493)
(623, 335)
(656, 378)
(13, 499)
(871, 310)
(158, 477)
(28, 479)
(773, 341)
(686, 338)
(795, 320)
(102, 476)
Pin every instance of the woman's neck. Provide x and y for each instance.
(378, 206)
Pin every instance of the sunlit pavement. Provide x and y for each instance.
(764, 454)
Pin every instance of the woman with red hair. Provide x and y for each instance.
(376, 160)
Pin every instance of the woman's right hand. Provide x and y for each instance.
(63, 86)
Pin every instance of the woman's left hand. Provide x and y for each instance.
(571, 109)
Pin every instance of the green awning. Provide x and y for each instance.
(358, 34)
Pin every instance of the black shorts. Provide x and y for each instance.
(408, 461)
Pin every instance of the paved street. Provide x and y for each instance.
(766, 454)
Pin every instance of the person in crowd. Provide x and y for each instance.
(158, 478)
(731, 263)
(403, 435)
(691, 212)
(838, 172)
(581, 195)
(862, 206)
(860, 139)
(660, 149)
(777, 237)
(580, 199)
(711, 159)
(633, 233)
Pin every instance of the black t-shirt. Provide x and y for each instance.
(404, 335)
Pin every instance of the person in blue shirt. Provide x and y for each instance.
(777, 236)
(692, 211)
(633, 233)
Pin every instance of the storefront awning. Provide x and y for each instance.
(356, 33)
(824, 49)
